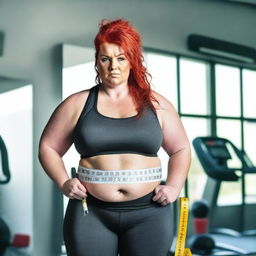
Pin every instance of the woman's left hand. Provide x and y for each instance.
(165, 194)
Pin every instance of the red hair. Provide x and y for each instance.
(120, 32)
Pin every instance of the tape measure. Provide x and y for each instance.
(182, 230)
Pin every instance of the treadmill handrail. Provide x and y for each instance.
(4, 162)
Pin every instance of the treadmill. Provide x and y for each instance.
(215, 155)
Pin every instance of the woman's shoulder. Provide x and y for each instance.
(73, 104)
(161, 103)
(77, 97)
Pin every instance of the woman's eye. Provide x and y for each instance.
(121, 59)
(104, 59)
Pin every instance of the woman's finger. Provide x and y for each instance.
(82, 188)
(161, 199)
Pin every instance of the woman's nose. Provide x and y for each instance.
(113, 65)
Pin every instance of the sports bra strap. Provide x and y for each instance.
(90, 101)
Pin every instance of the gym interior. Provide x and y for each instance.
(202, 57)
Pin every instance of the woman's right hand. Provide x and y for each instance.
(74, 189)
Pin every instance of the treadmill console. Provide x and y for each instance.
(218, 150)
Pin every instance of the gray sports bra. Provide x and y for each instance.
(96, 134)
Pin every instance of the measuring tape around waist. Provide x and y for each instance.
(180, 249)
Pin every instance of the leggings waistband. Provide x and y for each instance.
(119, 176)
(139, 203)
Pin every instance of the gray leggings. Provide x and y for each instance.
(139, 227)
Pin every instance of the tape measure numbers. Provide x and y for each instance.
(182, 229)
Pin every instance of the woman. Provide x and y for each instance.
(117, 127)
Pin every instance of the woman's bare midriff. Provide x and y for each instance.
(120, 192)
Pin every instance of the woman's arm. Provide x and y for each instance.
(176, 145)
(56, 139)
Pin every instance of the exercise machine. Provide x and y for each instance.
(6, 240)
(217, 156)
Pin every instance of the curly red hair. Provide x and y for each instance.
(122, 33)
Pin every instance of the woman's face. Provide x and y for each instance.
(113, 66)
